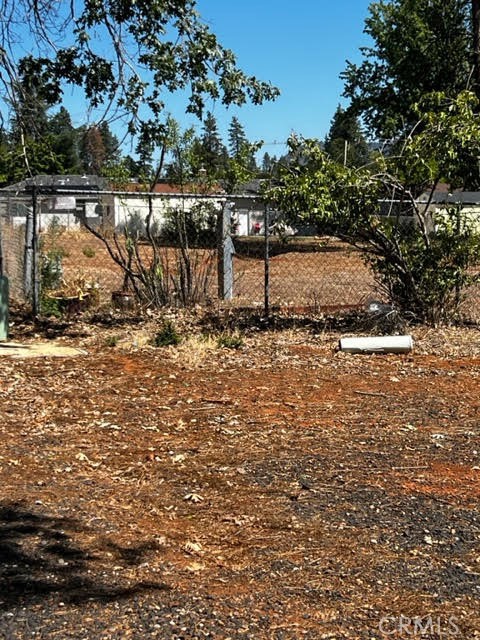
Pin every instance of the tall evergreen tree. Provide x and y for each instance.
(92, 150)
(213, 150)
(236, 137)
(345, 142)
(238, 144)
(268, 163)
(31, 102)
(31, 148)
(65, 141)
(110, 142)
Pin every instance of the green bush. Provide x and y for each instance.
(167, 336)
(50, 307)
(427, 282)
(193, 227)
(88, 252)
(230, 341)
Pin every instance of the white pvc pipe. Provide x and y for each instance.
(377, 344)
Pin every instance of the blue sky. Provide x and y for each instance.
(301, 47)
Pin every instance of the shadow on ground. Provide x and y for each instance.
(39, 558)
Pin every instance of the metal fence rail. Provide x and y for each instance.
(306, 274)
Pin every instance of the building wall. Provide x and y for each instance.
(128, 205)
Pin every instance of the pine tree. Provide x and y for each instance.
(110, 143)
(92, 150)
(31, 149)
(236, 137)
(268, 163)
(238, 144)
(65, 141)
(212, 146)
(345, 142)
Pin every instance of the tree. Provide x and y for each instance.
(212, 148)
(236, 137)
(268, 163)
(419, 46)
(238, 144)
(127, 58)
(154, 48)
(99, 147)
(110, 143)
(345, 142)
(4, 158)
(93, 152)
(476, 45)
(422, 265)
(30, 99)
(65, 142)
(31, 149)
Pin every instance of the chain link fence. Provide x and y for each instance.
(270, 270)
(13, 246)
(304, 274)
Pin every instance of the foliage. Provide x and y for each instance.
(167, 336)
(419, 46)
(212, 150)
(422, 262)
(112, 341)
(162, 270)
(195, 226)
(241, 168)
(229, 341)
(268, 164)
(432, 275)
(51, 269)
(135, 228)
(127, 57)
(88, 252)
(185, 168)
(52, 146)
(239, 145)
(345, 141)
(65, 142)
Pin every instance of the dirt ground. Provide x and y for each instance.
(332, 276)
(279, 490)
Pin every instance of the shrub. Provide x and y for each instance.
(167, 336)
(230, 341)
(112, 341)
(423, 265)
(88, 252)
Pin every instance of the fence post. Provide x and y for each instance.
(28, 255)
(3, 307)
(267, 262)
(35, 255)
(225, 251)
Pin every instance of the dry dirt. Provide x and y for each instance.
(279, 490)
